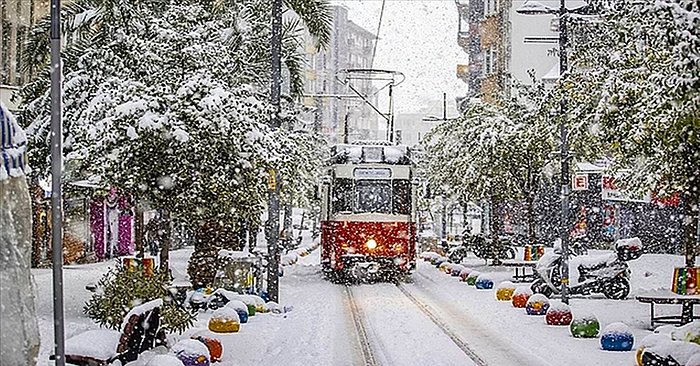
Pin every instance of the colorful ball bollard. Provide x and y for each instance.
(463, 274)
(504, 291)
(191, 352)
(471, 279)
(483, 282)
(240, 308)
(559, 314)
(520, 296)
(537, 304)
(224, 320)
(456, 270)
(216, 350)
(617, 337)
(584, 326)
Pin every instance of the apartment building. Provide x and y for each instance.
(17, 18)
(332, 107)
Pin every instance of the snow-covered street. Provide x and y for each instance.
(430, 319)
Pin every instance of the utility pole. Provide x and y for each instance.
(56, 192)
(273, 224)
(565, 180)
(536, 9)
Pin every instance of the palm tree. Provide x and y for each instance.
(87, 23)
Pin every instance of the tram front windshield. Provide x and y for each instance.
(372, 196)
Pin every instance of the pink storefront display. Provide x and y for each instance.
(111, 225)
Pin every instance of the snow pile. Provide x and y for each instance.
(141, 309)
(505, 284)
(190, 351)
(237, 305)
(617, 328)
(523, 290)
(628, 244)
(558, 307)
(164, 360)
(662, 345)
(99, 343)
(689, 332)
(225, 314)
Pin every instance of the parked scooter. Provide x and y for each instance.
(608, 274)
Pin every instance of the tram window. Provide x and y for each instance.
(343, 196)
(373, 196)
(401, 204)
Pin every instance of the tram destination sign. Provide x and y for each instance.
(371, 173)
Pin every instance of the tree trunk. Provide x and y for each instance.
(495, 226)
(531, 224)
(138, 228)
(691, 228)
(165, 241)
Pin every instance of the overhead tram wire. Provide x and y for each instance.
(376, 39)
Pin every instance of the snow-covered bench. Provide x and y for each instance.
(669, 298)
(140, 331)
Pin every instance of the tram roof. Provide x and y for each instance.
(370, 153)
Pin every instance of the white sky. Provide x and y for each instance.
(418, 38)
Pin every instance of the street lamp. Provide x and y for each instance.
(537, 8)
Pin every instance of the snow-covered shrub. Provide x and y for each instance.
(124, 288)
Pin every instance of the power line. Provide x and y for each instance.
(379, 26)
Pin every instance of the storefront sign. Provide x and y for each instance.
(579, 182)
(611, 192)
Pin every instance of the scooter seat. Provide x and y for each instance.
(586, 264)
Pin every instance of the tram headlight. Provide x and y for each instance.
(371, 244)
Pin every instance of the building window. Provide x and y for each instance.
(490, 60)
(463, 22)
(490, 7)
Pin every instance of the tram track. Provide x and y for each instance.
(444, 327)
(359, 321)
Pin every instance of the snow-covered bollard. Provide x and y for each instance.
(443, 266)
(504, 291)
(164, 360)
(191, 352)
(520, 296)
(463, 274)
(559, 314)
(617, 337)
(439, 260)
(216, 350)
(224, 320)
(240, 308)
(484, 282)
(471, 279)
(537, 304)
(456, 270)
(584, 326)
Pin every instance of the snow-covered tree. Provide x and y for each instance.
(635, 87)
(493, 153)
(174, 110)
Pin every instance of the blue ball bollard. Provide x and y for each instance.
(617, 337)
(483, 283)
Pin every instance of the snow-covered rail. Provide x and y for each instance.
(442, 326)
(358, 319)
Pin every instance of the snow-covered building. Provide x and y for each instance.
(329, 102)
(504, 46)
(18, 16)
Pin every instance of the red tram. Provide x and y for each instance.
(368, 214)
